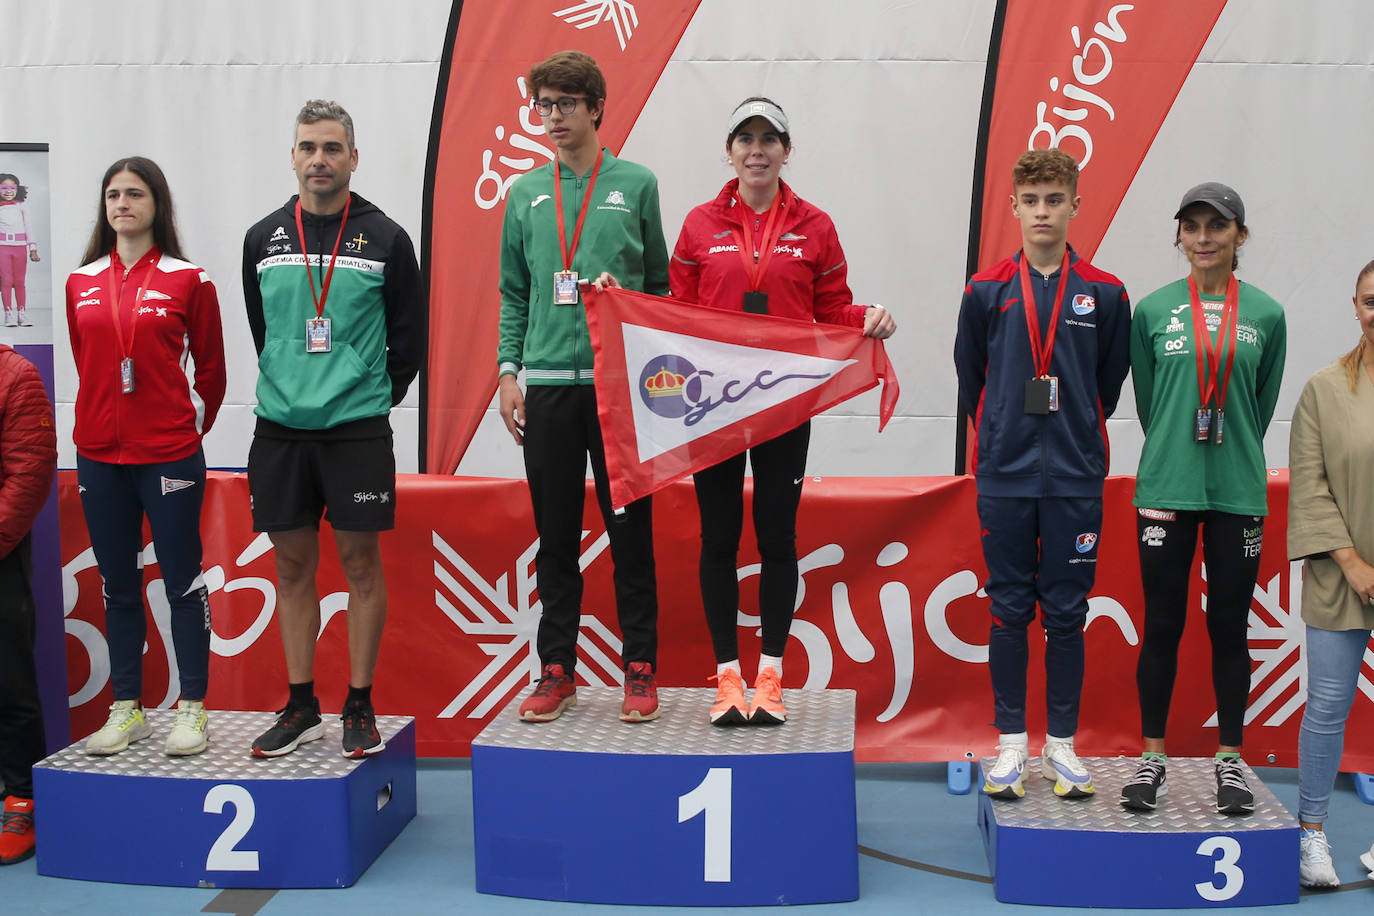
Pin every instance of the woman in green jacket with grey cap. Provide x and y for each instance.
(1207, 356)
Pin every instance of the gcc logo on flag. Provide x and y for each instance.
(673, 388)
(662, 388)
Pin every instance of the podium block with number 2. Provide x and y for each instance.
(673, 811)
(224, 818)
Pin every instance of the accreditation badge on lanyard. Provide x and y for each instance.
(115, 284)
(1209, 425)
(756, 258)
(318, 335)
(565, 281)
(1042, 392)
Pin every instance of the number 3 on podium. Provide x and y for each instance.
(711, 798)
(1224, 866)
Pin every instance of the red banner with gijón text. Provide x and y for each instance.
(1094, 78)
(889, 604)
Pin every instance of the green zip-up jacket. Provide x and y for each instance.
(1176, 471)
(376, 310)
(623, 234)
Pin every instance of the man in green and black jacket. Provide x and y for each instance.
(336, 306)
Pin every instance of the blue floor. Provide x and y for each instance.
(920, 853)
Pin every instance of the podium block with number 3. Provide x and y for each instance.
(673, 811)
(1092, 852)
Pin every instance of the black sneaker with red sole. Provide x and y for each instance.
(296, 724)
(360, 735)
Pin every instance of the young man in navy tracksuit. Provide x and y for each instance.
(1040, 383)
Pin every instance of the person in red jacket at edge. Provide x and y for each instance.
(138, 313)
(28, 455)
(758, 247)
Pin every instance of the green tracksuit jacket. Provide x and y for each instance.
(623, 234)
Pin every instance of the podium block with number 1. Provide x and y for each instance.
(672, 811)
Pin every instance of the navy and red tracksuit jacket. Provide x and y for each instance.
(1060, 454)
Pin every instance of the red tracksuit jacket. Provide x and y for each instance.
(806, 279)
(177, 318)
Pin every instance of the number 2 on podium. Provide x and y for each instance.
(711, 798)
(223, 856)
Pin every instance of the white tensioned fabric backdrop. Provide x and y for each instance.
(884, 103)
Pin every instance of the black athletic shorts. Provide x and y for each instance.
(351, 482)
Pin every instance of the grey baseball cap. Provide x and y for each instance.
(1216, 195)
(756, 109)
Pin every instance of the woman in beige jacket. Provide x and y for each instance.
(1331, 528)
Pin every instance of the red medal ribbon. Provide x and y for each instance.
(1041, 355)
(1208, 355)
(323, 295)
(570, 250)
(116, 286)
(756, 263)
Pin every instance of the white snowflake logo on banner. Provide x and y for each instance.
(620, 13)
(1278, 641)
(506, 629)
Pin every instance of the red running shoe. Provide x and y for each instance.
(553, 693)
(641, 699)
(16, 834)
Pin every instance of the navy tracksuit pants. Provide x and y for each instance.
(1039, 551)
(114, 498)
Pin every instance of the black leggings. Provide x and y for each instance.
(1230, 548)
(779, 465)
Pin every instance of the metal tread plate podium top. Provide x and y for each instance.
(229, 755)
(691, 792)
(224, 818)
(1188, 806)
(818, 721)
(1197, 855)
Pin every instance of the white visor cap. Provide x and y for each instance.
(756, 109)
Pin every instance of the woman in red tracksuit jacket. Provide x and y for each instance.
(145, 332)
(759, 247)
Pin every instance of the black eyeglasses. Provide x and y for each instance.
(566, 104)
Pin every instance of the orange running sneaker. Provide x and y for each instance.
(767, 708)
(730, 707)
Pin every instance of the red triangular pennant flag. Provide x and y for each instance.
(680, 387)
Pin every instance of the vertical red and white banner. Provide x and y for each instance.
(1094, 78)
(483, 137)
